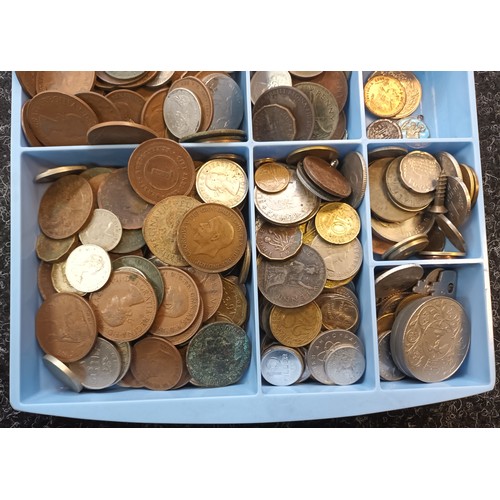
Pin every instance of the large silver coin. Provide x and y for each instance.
(281, 365)
(397, 279)
(228, 101)
(182, 112)
(345, 365)
(265, 80)
(449, 164)
(353, 168)
(387, 368)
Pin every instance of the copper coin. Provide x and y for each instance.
(44, 280)
(65, 207)
(131, 83)
(294, 100)
(105, 110)
(210, 288)
(278, 242)
(273, 123)
(204, 96)
(117, 196)
(119, 132)
(129, 103)
(27, 130)
(190, 332)
(272, 177)
(69, 82)
(59, 119)
(336, 83)
(96, 181)
(152, 113)
(65, 327)
(125, 307)
(27, 79)
(212, 237)
(180, 304)
(326, 177)
(186, 376)
(159, 168)
(156, 364)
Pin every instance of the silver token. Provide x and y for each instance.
(125, 75)
(62, 373)
(281, 365)
(387, 368)
(265, 80)
(345, 365)
(353, 168)
(182, 112)
(228, 101)
(100, 368)
(457, 201)
(397, 279)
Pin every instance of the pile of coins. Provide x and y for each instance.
(69, 108)
(309, 255)
(423, 331)
(418, 203)
(299, 105)
(393, 96)
(139, 271)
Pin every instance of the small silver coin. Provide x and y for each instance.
(264, 80)
(281, 365)
(397, 279)
(160, 79)
(345, 365)
(182, 112)
(62, 372)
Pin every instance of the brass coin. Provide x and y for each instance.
(129, 104)
(441, 255)
(338, 312)
(52, 174)
(278, 242)
(119, 132)
(271, 177)
(69, 82)
(385, 322)
(420, 223)
(471, 180)
(273, 122)
(234, 305)
(384, 96)
(326, 153)
(51, 250)
(337, 223)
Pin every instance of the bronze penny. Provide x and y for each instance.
(65, 207)
(380, 246)
(54, 173)
(105, 110)
(273, 123)
(272, 177)
(156, 364)
(186, 376)
(210, 288)
(189, 333)
(27, 79)
(326, 177)
(117, 196)
(94, 171)
(65, 327)
(51, 250)
(278, 242)
(69, 82)
(336, 83)
(125, 307)
(159, 168)
(180, 304)
(59, 119)
(212, 237)
(294, 100)
(119, 132)
(25, 125)
(96, 181)
(152, 113)
(234, 305)
(44, 280)
(129, 103)
(204, 96)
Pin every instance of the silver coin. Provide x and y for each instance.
(394, 232)
(353, 168)
(449, 164)
(265, 80)
(125, 75)
(387, 368)
(104, 229)
(451, 231)
(397, 279)
(125, 351)
(386, 152)
(281, 365)
(345, 365)
(182, 112)
(160, 79)
(100, 368)
(228, 101)
(457, 201)
(413, 128)
(62, 372)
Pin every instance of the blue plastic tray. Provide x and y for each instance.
(449, 108)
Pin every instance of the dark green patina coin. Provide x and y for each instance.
(149, 270)
(131, 240)
(218, 355)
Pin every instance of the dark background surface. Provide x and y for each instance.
(476, 411)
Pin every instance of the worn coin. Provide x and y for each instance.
(451, 232)
(29, 135)
(281, 366)
(387, 368)
(152, 113)
(51, 250)
(437, 239)
(471, 180)
(44, 280)
(432, 254)
(125, 352)
(457, 201)
(105, 110)
(278, 242)
(233, 306)
(336, 82)
(27, 79)
(265, 80)
(130, 241)
(337, 223)
(210, 288)
(397, 279)
(406, 248)
(88, 268)
(59, 280)
(62, 372)
(327, 153)
(419, 171)
(413, 128)
(129, 104)
(272, 177)
(314, 188)
(182, 112)
(119, 132)
(420, 223)
(54, 173)
(386, 152)
(345, 365)
(103, 229)
(449, 165)
(161, 78)
(326, 177)
(338, 312)
(353, 168)
(384, 129)
(274, 122)
(69, 82)
(124, 75)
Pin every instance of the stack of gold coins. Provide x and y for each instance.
(299, 105)
(409, 344)
(137, 262)
(309, 255)
(393, 97)
(129, 107)
(418, 202)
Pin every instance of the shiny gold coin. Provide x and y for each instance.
(272, 177)
(337, 222)
(384, 96)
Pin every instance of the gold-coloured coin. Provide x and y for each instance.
(337, 222)
(55, 173)
(384, 96)
(51, 250)
(385, 322)
(60, 281)
(272, 177)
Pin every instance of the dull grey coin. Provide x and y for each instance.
(353, 168)
(387, 368)
(62, 372)
(457, 201)
(182, 112)
(449, 165)
(397, 279)
(264, 80)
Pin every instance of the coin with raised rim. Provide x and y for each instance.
(278, 242)
(337, 223)
(384, 96)
(274, 122)
(182, 112)
(129, 104)
(119, 132)
(272, 177)
(103, 229)
(88, 268)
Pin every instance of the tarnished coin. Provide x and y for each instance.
(50, 250)
(326, 153)
(222, 181)
(272, 177)
(104, 229)
(265, 80)
(297, 102)
(384, 322)
(413, 128)
(420, 223)
(65, 327)
(125, 352)
(337, 223)
(218, 355)
(234, 305)
(451, 232)
(130, 241)
(161, 78)
(212, 237)
(27, 79)
(326, 109)
(129, 104)
(210, 288)
(159, 168)
(345, 365)
(326, 177)
(384, 129)
(437, 239)
(338, 312)
(125, 75)
(341, 131)
(274, 122)
(152, 113)
(336, 82)
(406, 248)
(449, 164)
(180, 304)
(88, 268)
(187, 335)
(293, 282)
(278, 242)
(100, 368)
(432, 254)
(44, 280)
(224, 135)
(62, 372)
(379, 247)
(116, 195)
(471, 180)
(69, 82)
(305, 74)
(384, 96)
(119, 132)
(386, 152)
(185, 377)
(397, 279)
(182, 112)
(156, 363)
(65, 207)
(54, 173)
(457, 201)
(105, 110)
(353, 168)
(311, 186)
(419, 171)
(29, 135)
(59, 280)
(281, 365)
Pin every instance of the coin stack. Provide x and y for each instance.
(393, 97)
(299, 105)
(418, 202)
(129, 107)
(423, 331)
(139, 271)
(309, 255)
